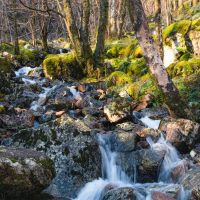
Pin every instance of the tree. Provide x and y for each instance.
(158, 21)
(153, 59)
(103, 21)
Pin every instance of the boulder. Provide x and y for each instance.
(142, 166)
(124, 137)
(71, 146)
(190, 181)
(7, 72)
(182, 133)
(20, 118)
(160, 196)
(24, 172)
(125, 193)
(117, 110)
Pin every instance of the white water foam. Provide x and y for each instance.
(23, 71)
(113, 174)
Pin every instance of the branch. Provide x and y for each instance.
(42, 11)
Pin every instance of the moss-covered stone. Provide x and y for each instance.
(184, 68)
(181, 27)
(118, 78)
(6, 71)
(62, 66)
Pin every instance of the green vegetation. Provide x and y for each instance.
(182, 27)
(62, 66)
(184, 68)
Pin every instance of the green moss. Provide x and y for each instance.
(48, 164)
(62, 66)
(7, 47)
(118, 78)
(145, 85)
(122, 48)
(137, 68)
(184, 68)
(177, 27)
(28, 56)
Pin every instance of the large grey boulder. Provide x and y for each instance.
(182, 133)
(24, 172)
(71, 146)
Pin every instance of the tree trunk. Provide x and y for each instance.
(158, 21)
(84, 37)
(16, 39)
(79, 40)
(121, 17)
(73, 31)
(152, 57)
(103, 21)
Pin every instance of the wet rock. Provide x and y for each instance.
(143, 103)
(7, 72)
(179, 171)
(145, 162)
(117, 110)
(71, 146)
(124, 140)
(182, 133)
(190, 181)
(120, 194)
(60, 98)
(155, 113)
(18, 119)
(160, 196)
(23, 172)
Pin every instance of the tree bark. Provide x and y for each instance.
(152, 57)
(121, 17)
(158, 21)
(16, 39)
(103, 21)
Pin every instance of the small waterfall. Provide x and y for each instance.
(75, 93)
(114, 176)
(23, 71)
(35, 105)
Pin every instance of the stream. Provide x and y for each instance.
(112, 173)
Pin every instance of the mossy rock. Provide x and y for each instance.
(62, 66)
(31, 57)
(4, 46)
(137, 68)
(145, 85)
(6, 71)
(182, 27)
(184, 68)
(118, 78)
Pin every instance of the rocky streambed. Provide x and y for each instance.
(76, 141)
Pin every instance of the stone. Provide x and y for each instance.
(18, 119)
(120, 194)
(160, 196)
(190, 181)
(118, 110)
(72, 147)
(182, 133)
(145, 162)
(24, 172)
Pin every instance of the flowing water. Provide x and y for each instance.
(113, 175)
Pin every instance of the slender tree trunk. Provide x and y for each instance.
(16, 39)
(103, 21)
(79, 40)
(121, 17)
(84, 37)
(45, 35)
(156, 67)
(158, 21)
(73, 31)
